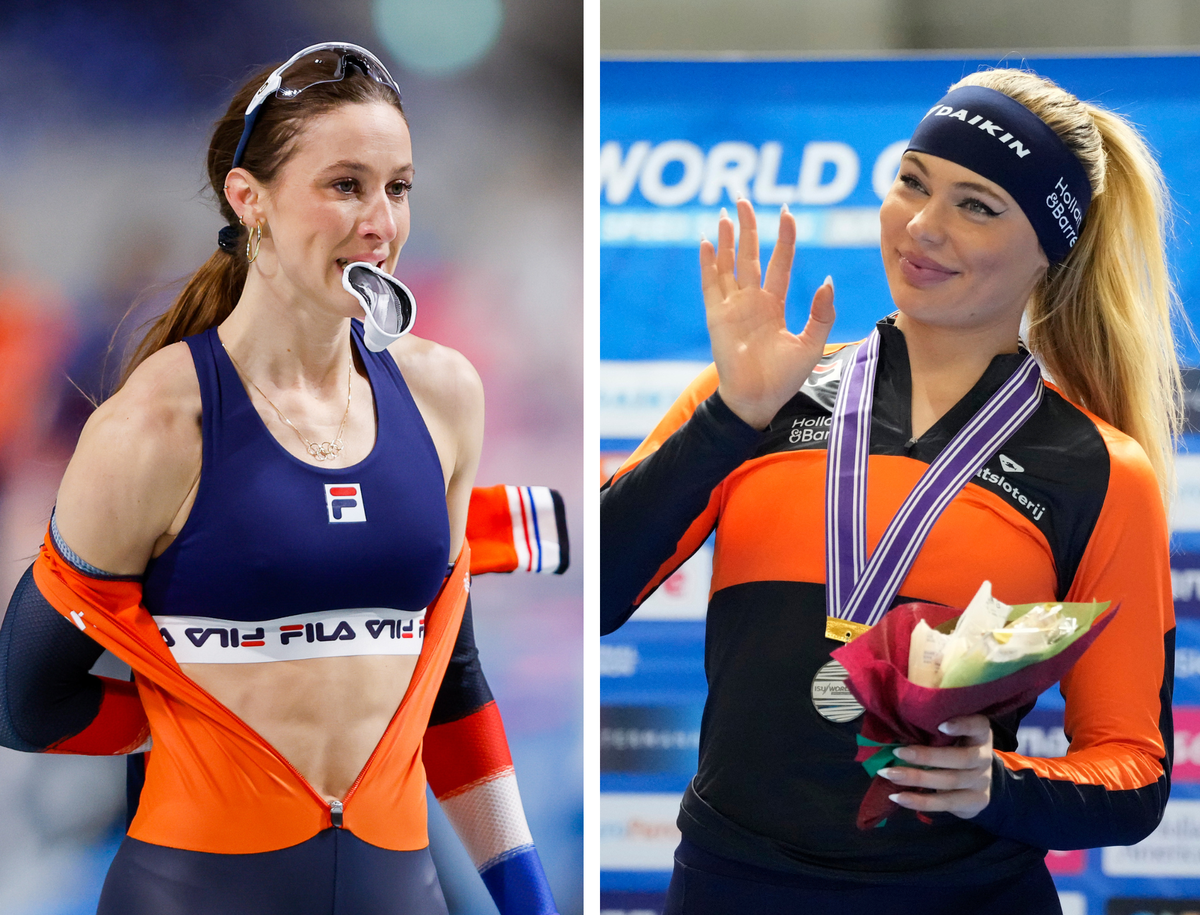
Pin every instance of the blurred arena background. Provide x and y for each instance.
(806, 103)
(105, 109)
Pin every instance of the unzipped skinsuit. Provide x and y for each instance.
(217, 798)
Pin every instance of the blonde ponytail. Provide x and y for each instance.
(1101, 321)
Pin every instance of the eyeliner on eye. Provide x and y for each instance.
(974, 203)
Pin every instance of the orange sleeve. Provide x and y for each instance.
(681, 411)
(1112, 786)
(120, 727)
(663, 502)
(517, 529)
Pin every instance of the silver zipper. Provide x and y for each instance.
(335, 813)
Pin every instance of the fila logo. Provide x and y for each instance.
(344, 501)
(1009, 465)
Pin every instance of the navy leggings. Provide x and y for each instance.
(333, 873)
(705, 884)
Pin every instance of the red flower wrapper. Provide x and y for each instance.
(900, 713)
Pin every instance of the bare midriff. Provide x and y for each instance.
(323, 715)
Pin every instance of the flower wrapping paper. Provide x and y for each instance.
(897, 711)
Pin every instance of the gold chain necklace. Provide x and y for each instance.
(322, 451)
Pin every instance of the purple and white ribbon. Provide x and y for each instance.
(862, 590)
(845, 499)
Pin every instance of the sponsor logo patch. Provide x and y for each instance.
(344, 502)
(1031, 507)
(1009, 465)
(980, 122)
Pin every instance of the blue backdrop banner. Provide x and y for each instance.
(681, 140)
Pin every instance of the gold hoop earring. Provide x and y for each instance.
(254, 237)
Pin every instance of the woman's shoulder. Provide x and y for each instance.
(146, 437)
(159, 400)
(138, 456)
(437, 374)
(1097, 446)
(1120, 448)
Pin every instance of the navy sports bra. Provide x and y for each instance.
(280, 559)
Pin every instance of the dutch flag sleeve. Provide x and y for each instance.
(517, 529)
(470, 771)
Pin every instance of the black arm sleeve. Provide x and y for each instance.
(46, 692)
(645, 513)
(464, 689)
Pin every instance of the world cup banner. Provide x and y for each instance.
(681, 140)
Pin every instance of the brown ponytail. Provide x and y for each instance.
(210, 294)
(205, 301)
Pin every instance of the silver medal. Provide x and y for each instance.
(831, 697)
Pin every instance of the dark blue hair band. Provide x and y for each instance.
(229, 239)
(1002, 140)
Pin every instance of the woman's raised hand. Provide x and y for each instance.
(760, 363)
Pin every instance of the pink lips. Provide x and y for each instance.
(367, 259)
(923, 271)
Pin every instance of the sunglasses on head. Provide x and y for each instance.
(320, 63)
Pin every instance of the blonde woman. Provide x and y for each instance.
(1049, 468)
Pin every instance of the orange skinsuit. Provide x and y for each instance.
(212, 783)
(1068, 509)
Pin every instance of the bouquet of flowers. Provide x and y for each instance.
(923, 664)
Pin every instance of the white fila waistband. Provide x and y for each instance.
(324, 634)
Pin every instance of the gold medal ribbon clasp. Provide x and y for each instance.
(843, 630)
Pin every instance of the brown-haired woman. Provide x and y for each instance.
(1015, 201)
(283, 499)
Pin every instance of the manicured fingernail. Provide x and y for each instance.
(887, 773)
(944, 727)
(724, 213)
(902, 752)
(829, 281)
(783, 210)
(703, 238)
(894, 798)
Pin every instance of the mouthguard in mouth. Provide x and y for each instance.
(390, 307)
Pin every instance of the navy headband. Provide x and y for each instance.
(1002, 140)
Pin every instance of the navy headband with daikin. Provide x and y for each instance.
(1002, 140)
